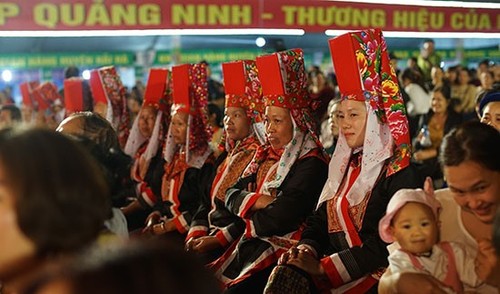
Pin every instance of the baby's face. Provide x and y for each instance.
(415, 228)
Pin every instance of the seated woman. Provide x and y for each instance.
(280, 187)
(100, 139)
(340, 247)
(438, 122)
(187, 156)
(471, 165)
(214, 227)
(53, 203)
(145, 144)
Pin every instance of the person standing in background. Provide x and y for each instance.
(427, 59)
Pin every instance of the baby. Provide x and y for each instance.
(412, 221)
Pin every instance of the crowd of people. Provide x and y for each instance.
(278, 180)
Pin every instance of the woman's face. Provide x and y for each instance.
(352, 122)
(147, 119)
(437, 73)
(438, 102)
(475, 188)
(279, 126)
(236, 123)
(491, 115)
(486, 79)
(15, 246)
(463, 77)
(332, 120)
(179, 127)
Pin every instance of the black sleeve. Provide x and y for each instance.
(295, 199)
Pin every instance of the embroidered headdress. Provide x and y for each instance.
(110, 99)
(46, 95)
(155, 96)
(190, 95)
(284, 84)
(364, 74)
(243, 89)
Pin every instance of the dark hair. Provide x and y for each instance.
(428, 41)
(15, 112)
(71, 71)
(151, 267)
(214, 109)
(445, 90)
(61, 198)
(473, 141)
(484, 62)
(98, 129)
(415, 77)
(100, 139)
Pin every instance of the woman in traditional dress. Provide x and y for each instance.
(340, 249)
(214, 227)
(280, 187)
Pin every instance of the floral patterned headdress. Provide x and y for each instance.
(190, 95)
(110, 99)
(361, 63)
(243, 88)
(46, 95)
(155, 96)
(284, 84)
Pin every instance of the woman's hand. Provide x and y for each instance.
(306, 261)
(153, 218)
(203, 244)
(487, 267)
(291, 253)
(163, 227)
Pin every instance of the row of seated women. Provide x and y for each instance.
(269, 213)
(266, 190)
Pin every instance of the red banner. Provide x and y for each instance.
(310, 15)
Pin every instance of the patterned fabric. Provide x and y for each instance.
(108, 90)
(27, 92)
(173, 170)
(243, 88)
(232, 168)
(284, 84)
(284, 79)
(355, 212)
(364, 54)
(190, 94)
(46, 95)
(287, 279)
